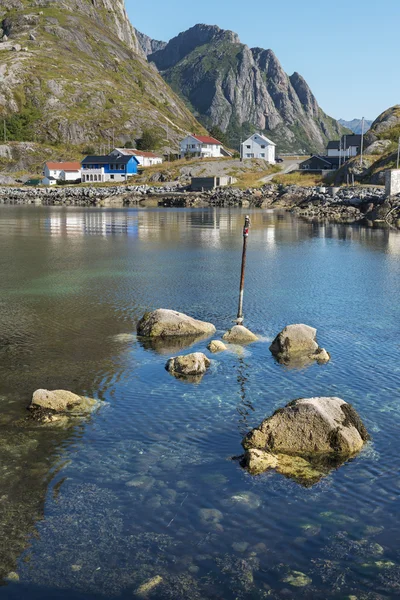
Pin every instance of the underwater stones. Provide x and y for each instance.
(166, 323)
(216, 346)
(240, 546)
(245, 499)
(210, 516)
(297, 345)
(327, 430)
(239, 335)
(196, 363)
(149, 585)
(297, 579)
(257, 461)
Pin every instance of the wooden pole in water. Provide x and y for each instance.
(239, 319)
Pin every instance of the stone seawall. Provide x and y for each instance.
(349, 204)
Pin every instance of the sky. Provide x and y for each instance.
(347, 50)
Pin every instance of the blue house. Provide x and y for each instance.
(108, 168)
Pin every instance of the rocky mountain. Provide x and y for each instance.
(75, 72)
(242, 89)
(147, 45)
(356, 125)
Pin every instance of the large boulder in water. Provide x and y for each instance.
(309, 426)
(297, 344)
(307, 438)
(165, 323)
(193, 364)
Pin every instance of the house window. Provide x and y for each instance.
(248, 147)
(262, 155)
(111, 176)
(262, 146)
(122, 167)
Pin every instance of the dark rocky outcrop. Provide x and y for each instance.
(241, 90)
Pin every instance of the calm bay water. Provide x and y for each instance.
(146, 487)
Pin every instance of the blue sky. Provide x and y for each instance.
(346, 50)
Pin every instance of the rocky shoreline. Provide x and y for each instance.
(346, 204)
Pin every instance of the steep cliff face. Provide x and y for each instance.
(242, 90)
(147, 44)
(73, 71)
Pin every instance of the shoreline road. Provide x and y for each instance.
(287, 167)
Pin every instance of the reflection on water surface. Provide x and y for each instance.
(145, 488)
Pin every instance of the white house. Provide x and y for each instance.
(145, 159)
(347, 147)
(259, 146)
(63, 171)
(202, 146)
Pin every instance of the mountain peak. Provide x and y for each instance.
(187, 41)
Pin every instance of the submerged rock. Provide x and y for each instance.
(196, 363)
(296, 345)
(305, 439)
(239, 335)
(216, 346)
(297, 579)
(165, 323)
(146, 587)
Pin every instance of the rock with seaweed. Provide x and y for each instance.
(305, 439)
(57, 406)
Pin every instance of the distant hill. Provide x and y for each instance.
(355, 125)
(241, 90)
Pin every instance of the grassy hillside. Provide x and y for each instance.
(75, 81)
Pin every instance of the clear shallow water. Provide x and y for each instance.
(98, 510)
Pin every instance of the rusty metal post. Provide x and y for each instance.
(246, 227)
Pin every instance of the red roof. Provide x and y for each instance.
(204, 139)
(63, 166)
